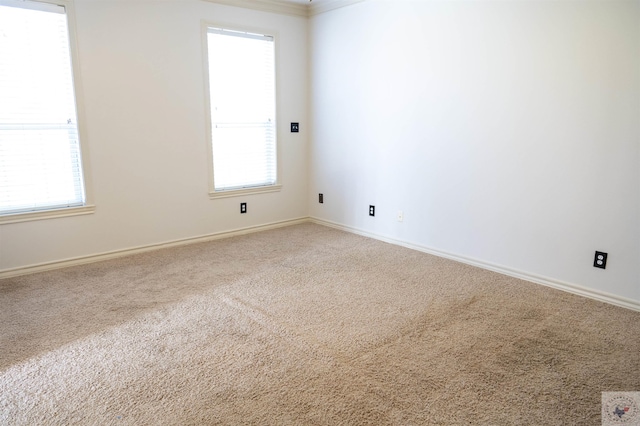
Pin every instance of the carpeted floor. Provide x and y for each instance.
(304, 325)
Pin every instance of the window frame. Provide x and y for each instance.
(89, 206)
(213, 193)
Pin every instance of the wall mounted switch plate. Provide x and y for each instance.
(295, 127)
(243, 208)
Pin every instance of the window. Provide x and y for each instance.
(40, 159)
(241, 77)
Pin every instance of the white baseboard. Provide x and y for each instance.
(41, 267)
(549, 282)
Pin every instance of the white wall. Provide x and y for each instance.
(507, 132)
(144, 100)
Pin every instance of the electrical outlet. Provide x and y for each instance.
(243, 208)
(400, 216)
(295, 127)
(320, 198)
(372, 210)
(600, 260)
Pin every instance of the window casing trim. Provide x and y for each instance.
(88, 207)
(46, 214)
(206, 25)
(244, 191)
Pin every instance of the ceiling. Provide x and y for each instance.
(315, 2)
(290, 7)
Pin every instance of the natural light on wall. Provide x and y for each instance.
(242, 101)
(40, 163)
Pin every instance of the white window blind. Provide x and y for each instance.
(40, 163)
(242, 99)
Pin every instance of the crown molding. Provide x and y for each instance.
(317, 8)
(288, 8)
(274, 6)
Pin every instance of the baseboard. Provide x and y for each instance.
(549, 282)
(41, 267)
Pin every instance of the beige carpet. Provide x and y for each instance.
(304, 325)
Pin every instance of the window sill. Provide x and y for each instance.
(46, 214)
(243, 192)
